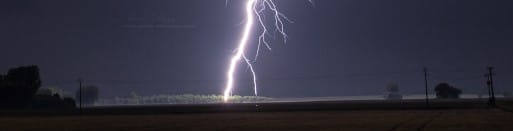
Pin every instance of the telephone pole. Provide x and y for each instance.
(426, 86)
(80, 94)
(491, 100)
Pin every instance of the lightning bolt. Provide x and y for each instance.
(254, 9)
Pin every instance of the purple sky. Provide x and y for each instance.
(338, 47)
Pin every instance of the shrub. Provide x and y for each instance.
(446, 91)
(392, 92)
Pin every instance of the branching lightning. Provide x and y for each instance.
(254, 9)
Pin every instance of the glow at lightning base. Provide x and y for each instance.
(254, 10)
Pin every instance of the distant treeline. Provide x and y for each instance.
(18, 90)
(179, 99)
(18, 87)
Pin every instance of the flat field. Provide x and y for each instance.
(366, 120)
(373, 115)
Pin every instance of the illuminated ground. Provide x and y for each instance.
(371, 120)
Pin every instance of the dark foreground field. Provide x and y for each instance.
(462, 117)
(369, 120)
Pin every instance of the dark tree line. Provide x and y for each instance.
(18, 90)
(18, 87)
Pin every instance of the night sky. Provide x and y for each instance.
(335, 48)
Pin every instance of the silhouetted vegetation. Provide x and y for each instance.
(51, 91)
(90, 95)
(179, 99)
(52, 97)
(507, 93)
(53, 101)
(393, 92)
(446, 91)
(18, 87)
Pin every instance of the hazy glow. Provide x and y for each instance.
(254, 8)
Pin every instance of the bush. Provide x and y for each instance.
(507, 94)
(446, 91)
(52, 102)
(392, 92)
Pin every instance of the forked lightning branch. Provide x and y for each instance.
(254, 11)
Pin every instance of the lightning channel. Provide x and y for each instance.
(255, 11)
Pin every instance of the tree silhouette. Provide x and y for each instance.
(52, 90)
(44, 91)
(446, 91)
(51, 98)
(393, 92)
(18, 87)
(45, 101)
(89, 95)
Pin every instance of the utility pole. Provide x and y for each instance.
(80, 94)
(426, 86)
(490, 85)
